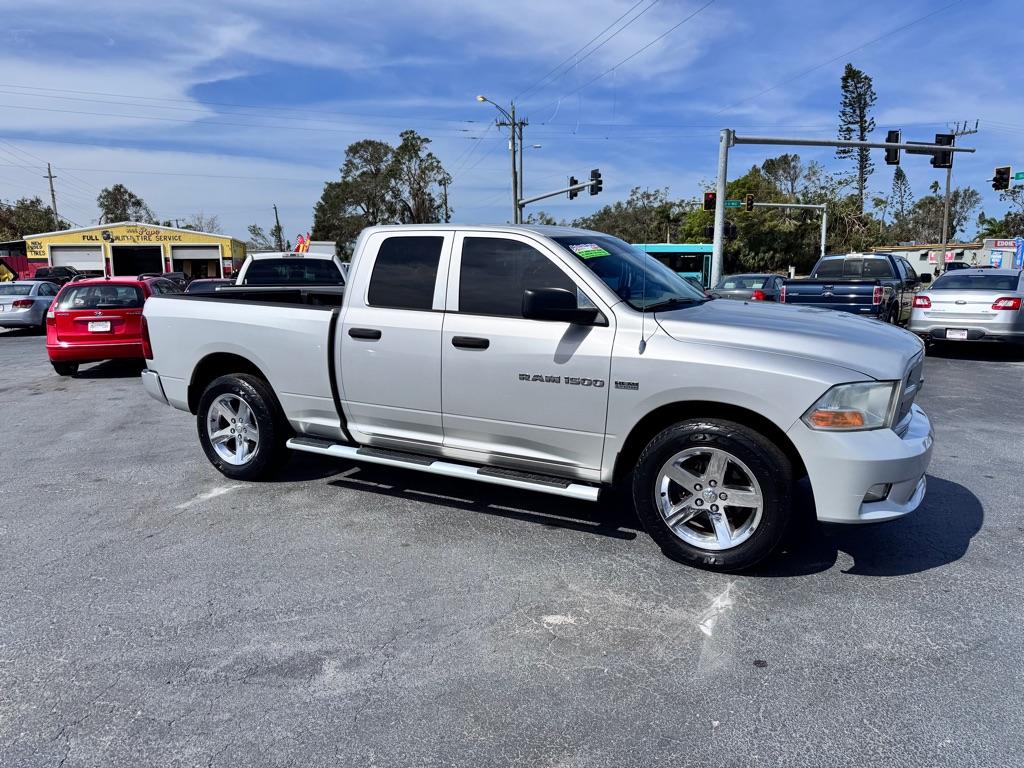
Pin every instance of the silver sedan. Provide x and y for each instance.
(23, 303)
(971, 305)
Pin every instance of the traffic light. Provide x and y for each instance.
(748, 202)
(596, 184)
(1001, 178)
(730, 231)
(892, 156)
(573, 181)
(709, 201)
(943, 159)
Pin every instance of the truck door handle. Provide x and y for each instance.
(370, 334)
(470, 342)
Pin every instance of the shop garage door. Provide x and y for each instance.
(196, 260)
(83, 257)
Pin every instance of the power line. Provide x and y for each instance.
(177, 173)
(576, 53)
(834, 59)
(637, 52)
(260, 107)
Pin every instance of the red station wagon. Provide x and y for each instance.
(99, 319)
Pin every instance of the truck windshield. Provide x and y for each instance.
(636, 277)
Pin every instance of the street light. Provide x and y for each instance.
(511, 122)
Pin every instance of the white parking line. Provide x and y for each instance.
(212, 494)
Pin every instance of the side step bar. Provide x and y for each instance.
(495, 476)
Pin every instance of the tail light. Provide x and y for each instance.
(1005, 302)
(922, 302)
(21, 304)
(782, 295)
(876, 295)
(147, 346)
(757, 295)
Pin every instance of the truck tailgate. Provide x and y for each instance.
(844, 295)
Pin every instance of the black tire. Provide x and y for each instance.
(65, 369)
(894, 315)
(768, 465)
(270, 452)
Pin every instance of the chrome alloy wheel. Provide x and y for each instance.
(231, 426)
(709, 498)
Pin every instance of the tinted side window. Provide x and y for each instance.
(495, 272)
(167, 286)
(405, 272)
(47, 290)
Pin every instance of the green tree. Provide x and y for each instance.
(855, 122)
(26, 216)
(1012, 222)
(647, 216)
(924, 221)
(259, 240)
(381, 184)
(118, 203)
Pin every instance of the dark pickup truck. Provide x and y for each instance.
(878, 285)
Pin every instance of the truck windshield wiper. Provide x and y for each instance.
(677, 301)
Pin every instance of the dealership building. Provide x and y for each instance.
(128, 249)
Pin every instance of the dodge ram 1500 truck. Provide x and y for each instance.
(561, 361)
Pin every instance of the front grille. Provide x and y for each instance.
(909, 387)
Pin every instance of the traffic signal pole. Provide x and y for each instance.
(728, 138)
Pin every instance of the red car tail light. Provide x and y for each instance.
(147, 346)
(876, 295)
(757, 295)
(21, 304)
(1004, 302)
(922, 302)
(782, 295)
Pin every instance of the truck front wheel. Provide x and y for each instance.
(241, 428)
(713, 493)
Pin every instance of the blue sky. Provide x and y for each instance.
(229, 111)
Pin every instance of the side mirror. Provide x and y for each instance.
(926, 278)
(557, 305)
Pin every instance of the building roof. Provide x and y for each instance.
(126, 224)
(924, 247)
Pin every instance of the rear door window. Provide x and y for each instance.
(405, 273)
(100, 297)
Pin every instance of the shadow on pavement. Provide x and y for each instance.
(606, 518)
(112, 369)
(936, 534)
(977, 351)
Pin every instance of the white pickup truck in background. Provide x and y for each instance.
(561, 361)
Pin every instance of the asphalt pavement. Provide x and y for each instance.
(154, 613)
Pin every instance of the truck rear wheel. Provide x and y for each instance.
(241, 427)
(713, 493)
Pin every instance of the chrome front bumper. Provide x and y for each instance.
(151, 383)
(842, 466)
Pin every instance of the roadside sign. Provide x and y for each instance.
(1018, 176)
(733, 203)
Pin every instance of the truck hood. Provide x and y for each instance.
(870, 347)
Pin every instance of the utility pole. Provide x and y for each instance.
(447, 213)
(53, 197)
(512, 130)
(277, 230)
(522, 151)
(959, 130)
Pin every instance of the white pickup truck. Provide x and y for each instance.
(561, 361)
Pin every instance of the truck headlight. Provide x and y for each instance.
(850, 407)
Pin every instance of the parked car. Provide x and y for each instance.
(971, 305)
(100, 319)
(560, 361)
(287, 268)
(23, 303)
(878, 285)
(208, 284)
(754, 287)
(57, 275)
(178, 278)
(696, 284)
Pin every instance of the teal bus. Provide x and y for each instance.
(687, 259)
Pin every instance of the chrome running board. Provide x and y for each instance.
(509, 478)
